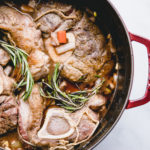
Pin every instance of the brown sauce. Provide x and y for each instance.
(70, 87)
(11, 141)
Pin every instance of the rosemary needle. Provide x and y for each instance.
(72, 101)
(19, 57)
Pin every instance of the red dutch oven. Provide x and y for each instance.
(109, 21)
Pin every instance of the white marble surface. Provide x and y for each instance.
(133, 129)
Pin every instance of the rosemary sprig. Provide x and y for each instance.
(72, 101)
(19, 57)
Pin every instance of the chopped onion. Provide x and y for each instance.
(54, 40)
(67, 47)
(53, 55)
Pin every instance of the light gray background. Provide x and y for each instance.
(133, 129)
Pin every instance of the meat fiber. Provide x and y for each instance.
(30, 114)
(8, 113)
(89, 55)
(21, 28)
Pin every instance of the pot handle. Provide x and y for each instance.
(146, 97)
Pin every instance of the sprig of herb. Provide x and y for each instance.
(72, 101)
(19, 57)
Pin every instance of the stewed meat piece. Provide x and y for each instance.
(55, 16)
(96, 101)
(89, 55)
(31, 113)
(8, 113)
(91, 51)
(39, 64)
(23, 31)
(40, 123)
(21, 28)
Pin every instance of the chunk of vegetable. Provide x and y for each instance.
(67, 47)
(107, 91)
(53, 55)
(16, 144)
(54, 39)
(26, 9)
(61, 36)
(5, 143)
(95, 14)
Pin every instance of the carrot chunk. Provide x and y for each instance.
(61, 36)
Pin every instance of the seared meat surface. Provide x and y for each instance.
(8, 113)
(30, 114)
(89, 55)
(39, 64)
(21, 28)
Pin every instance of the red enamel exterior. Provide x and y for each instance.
(146, 97)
